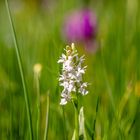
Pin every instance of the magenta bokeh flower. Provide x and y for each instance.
(81, 27)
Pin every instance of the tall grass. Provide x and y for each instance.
(111, 109)
(20, 69)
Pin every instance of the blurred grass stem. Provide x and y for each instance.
(75, 104)
(64, 124)
(110, 94)
(107, 81)
(21, 70)
(47, 118)
(38, 106)
(94, 124)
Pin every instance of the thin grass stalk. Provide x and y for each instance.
(134, 120)
(64, 124)
(107, 81)
(110, 94)
(11, 116)
(94, 124)
(38, 107)
(11, 111)
(21, 70)
(75, 104)
(47, 117)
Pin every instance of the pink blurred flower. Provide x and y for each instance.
(81, 27)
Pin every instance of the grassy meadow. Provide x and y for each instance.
(29, 87)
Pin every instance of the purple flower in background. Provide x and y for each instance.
(81, 27)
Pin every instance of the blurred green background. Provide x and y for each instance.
(113, 70)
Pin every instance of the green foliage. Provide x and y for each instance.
(111, 109)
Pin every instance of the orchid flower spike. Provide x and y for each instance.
(71, 78)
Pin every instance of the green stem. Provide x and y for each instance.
(47, 118)
(21, 70)
(11, 116)
(75, 103)
(38, 106)
(64, 124)
(94, 124)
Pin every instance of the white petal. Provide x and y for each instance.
(81, 71)
(61, 78)
(63, 101)
(84, 92)
(84, 84)
(60, 61)
(63, 56)
(81, 59)
(71, 86)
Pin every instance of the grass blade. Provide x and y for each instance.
(20, 69)
(64, 124)
(76, 113)
(47, 118)
(97, 108)
(38, 108)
